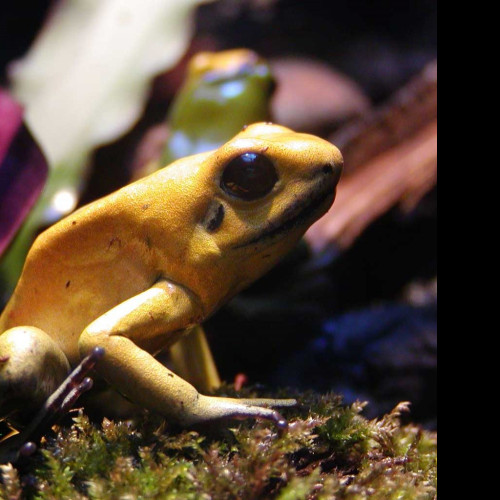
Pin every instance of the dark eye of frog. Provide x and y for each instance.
(249, 176)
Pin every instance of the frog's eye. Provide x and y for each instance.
(249, 176)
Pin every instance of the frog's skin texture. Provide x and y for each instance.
(135, 271)
(222, 92)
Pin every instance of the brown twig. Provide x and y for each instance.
(390, 158)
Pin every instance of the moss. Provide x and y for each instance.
(329, 451)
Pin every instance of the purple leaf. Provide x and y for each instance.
(23, 169)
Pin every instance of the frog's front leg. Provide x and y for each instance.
(143, 324)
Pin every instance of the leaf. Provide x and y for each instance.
(23, 169)
(85, 80)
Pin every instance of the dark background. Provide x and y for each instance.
(343, 323)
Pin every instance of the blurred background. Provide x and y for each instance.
(353, 309)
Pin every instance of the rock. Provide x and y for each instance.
(312, 97)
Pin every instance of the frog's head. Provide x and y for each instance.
(258, 194)
(223, 91)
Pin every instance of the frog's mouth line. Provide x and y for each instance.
(299, 211)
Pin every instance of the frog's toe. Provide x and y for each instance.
(265, 412)
(269, 402)
(212, 408)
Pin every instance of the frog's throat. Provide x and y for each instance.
(302, 210)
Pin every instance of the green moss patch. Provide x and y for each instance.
(330, 451)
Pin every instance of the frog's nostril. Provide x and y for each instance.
(327, 169)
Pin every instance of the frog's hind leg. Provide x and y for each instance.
(32, 366)
(17, 446)
(194, 362)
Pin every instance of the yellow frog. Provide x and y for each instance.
(135, 271)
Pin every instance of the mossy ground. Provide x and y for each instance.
(329, 452)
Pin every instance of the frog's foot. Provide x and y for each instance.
(214, 408)
(62, 400)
